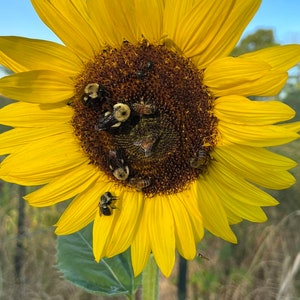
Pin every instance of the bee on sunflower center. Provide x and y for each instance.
(106, 204)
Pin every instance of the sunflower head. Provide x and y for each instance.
(134, 109)
(142, 119)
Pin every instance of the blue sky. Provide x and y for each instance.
(19, 18)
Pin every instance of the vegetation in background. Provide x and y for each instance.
(260, 39)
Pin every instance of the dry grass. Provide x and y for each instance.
(265, 265)
(268, 266)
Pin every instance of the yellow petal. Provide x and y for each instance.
(195, 214)
(102, 229)
(294, 127)
(65, 187)
(238, 188)
(281, 58)
(41, 161)
(149, 15)
(13, 140)
(241, 210)
(10, 63)
(106, 31)
(185, 239)
(140, 248)
(173, 14)
(229, 33)
(161, 232)
(239, 158)
(123, 16)
(29, 54)
(258, 157)
(237, 200)
(240, 76)
(127, 223)
(232, 217)
(200, 27)
(37, 87)
(256, 136)
(69, 21)
(28, 115)
(83, 209)
(214, 216)
(240, 110)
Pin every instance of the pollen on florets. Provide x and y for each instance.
(144, 117)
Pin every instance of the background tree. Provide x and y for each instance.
(262, 38)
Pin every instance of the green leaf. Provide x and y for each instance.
(112, 276)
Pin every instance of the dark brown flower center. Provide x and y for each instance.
(144, 117)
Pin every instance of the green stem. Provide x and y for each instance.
(130, 297)
(150, 280)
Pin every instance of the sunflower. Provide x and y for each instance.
(142, 118)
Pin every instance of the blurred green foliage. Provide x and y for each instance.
(260, 39)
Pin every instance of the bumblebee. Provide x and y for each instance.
(106, 204)
(94, 94)
(120, 114)
(117, 165)
(121, 173)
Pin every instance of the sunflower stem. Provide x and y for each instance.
(150, 280)
(130, 297)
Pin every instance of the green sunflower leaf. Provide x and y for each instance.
(113, 276)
